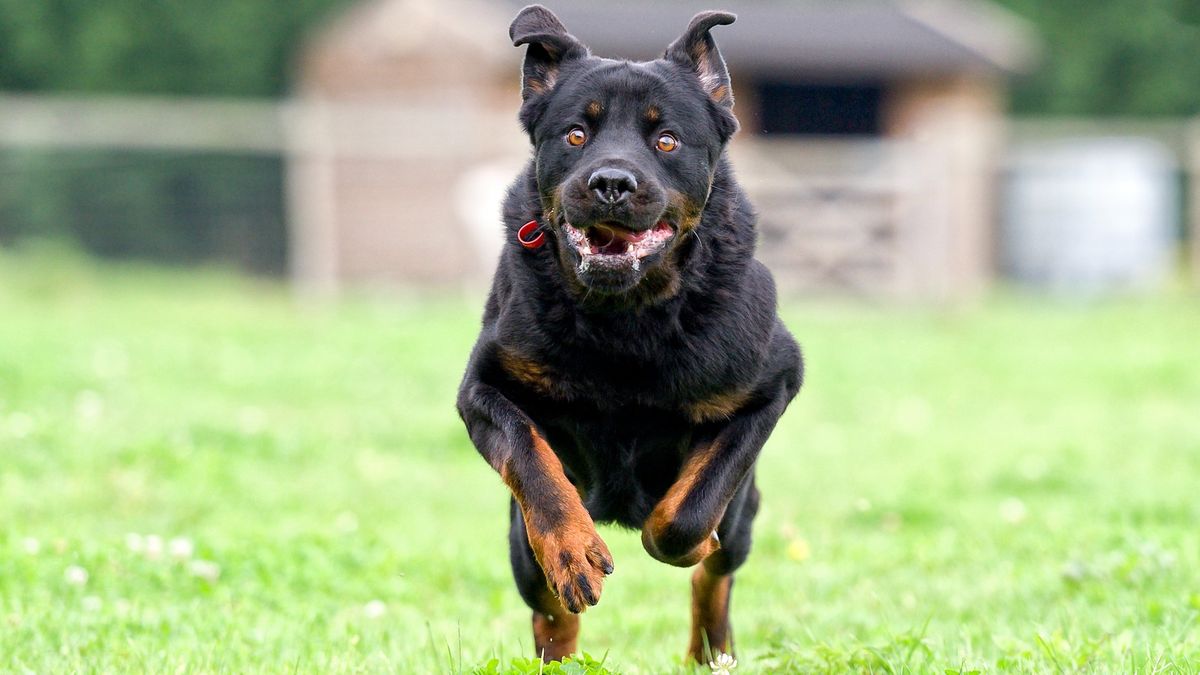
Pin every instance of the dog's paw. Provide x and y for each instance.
(575, 560)
(666, 540)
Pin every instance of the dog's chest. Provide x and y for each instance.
(622, 462)
(648, 367)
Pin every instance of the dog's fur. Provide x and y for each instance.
(618, 381)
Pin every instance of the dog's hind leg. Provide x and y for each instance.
(712, 580)
(711, 633)
(555, 630)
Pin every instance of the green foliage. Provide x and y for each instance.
(579, 665)
(215, 47)
(1119, 57)
(1009, 487)
(168, 207)
(1127, 57)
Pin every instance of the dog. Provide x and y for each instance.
(631, 363)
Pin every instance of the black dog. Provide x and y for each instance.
(631, 364)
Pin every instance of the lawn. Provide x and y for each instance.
(198, 474)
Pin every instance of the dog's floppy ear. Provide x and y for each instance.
(696, 49)
(550, 45)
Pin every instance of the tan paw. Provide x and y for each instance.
(575, 560)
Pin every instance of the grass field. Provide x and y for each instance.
(198, 475)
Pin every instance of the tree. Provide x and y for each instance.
(215, 47)
(1118, 57)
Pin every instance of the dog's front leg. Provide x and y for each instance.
(681, 530)
(561, 532)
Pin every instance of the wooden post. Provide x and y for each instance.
(311, 199)
(1192, 169)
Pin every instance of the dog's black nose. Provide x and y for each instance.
(612, 186)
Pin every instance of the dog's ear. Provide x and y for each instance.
(550, 45)
(697, 50)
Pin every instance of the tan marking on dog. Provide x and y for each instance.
(653, 114)
(710, 614)
(593, 110)
(527, 371)
(536, 86)
(667, 510)
(662, 282)
(719, 407)
(720, 94)
(686, 211)
(560, 530)
(555, 630)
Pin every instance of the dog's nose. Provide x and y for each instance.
(612, 186)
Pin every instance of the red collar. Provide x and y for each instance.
(526, 238)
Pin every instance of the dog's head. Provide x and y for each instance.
(625, 153)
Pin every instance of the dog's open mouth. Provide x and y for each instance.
(611, 242)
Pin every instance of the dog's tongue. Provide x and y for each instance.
(609, 235)
(622, 233)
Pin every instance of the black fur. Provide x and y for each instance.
(628, 369)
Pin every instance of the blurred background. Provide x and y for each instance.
(922, 149)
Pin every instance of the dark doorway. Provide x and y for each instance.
(820, 109)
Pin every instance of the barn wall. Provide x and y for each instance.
(956, 124)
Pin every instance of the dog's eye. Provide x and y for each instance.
(577, 137)
(667, 143)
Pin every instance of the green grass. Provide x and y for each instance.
(1009, 487)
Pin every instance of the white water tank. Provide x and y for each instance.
(1090, 216)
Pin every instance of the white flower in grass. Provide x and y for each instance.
(91, 603)
(110, 361)
(205, 569)
(345, 522)
(723, 664)
(31, 546)
(134, 542)
(181, 548)
(153, 546)
(20, 425)
(89, 407)
(374, 609)
(251, 420)
(75, 575)
(1013, 511)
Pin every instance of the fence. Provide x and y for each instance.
(834, 215)
(256, 183)
(270, 184)
(177, 180)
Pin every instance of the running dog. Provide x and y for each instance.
(631, 362)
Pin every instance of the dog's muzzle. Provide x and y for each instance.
(611, 245)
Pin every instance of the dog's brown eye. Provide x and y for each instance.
(667, 143)
(577, 137)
